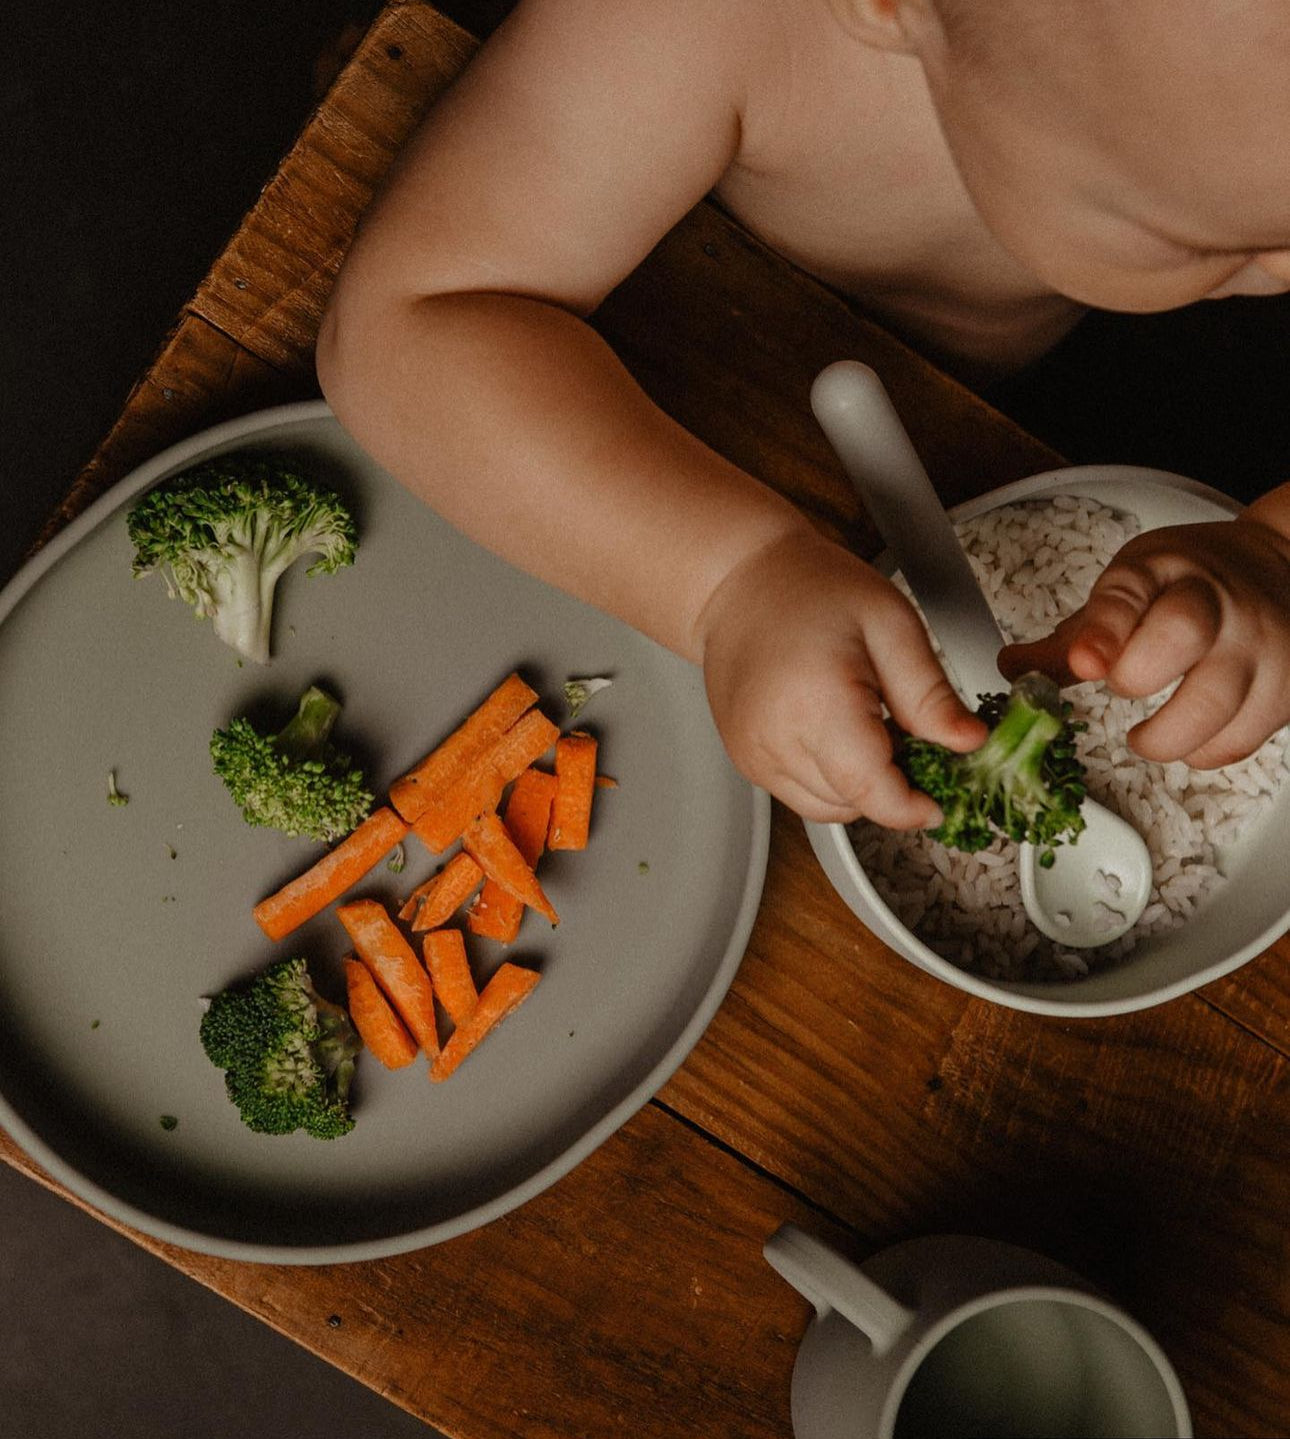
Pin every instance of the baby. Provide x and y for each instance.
(978, 172)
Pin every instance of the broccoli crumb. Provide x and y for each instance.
(114, 795)
(578, 691)
(168, 1122)
(397, 862)
(94, 1023)
(643, 867)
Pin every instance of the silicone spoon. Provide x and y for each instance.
(1095, 890)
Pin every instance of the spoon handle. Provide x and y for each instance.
(857, 416)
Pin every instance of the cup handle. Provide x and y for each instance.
(830, 1282)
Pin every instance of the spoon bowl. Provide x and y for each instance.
(1093, 891)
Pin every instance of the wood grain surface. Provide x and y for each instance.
(838, 1086)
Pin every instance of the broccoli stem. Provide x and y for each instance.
(1016, 744)
(308, 730)
(242, 612)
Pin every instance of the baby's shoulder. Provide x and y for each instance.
(735, 44)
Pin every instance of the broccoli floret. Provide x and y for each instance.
(295, 781)
(288, 1053)
(1025, 781)
(223, 532)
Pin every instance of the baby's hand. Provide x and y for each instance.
(801, 645)
(1208, 602)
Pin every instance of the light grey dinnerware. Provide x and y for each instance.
(119, 919)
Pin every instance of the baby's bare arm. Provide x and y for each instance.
(454, 349)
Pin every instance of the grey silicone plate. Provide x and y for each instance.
(117, 920)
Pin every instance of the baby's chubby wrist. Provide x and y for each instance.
(771, 554)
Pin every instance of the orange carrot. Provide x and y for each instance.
(454, 985)
(380, 1029)
(463, 747)
(507, 989)
(334, 873)
(434, 902)
(575, 772)
(495, 913)
(479, 787)
(495, 853)
(396, 968)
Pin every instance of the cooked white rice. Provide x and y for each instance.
(1036, 563)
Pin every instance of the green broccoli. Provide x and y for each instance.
(288, 1054)
(295, 781)
(222, 533)
(1025, 781)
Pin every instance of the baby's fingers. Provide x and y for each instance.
(1048, 655)
(847, 771)
(1116, 606)
(1177, 631)
(920, 697)
(886, 798)
(1211, 719)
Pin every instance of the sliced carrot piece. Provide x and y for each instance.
(495, 913)
(495, 853)
(463, 747)
(507, 989)
(438, 899)
(380, 1029)
(575, 773)
(446, 815)
(308, 894)
(454, 985)
(382, 948)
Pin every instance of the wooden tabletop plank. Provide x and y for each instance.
(1146, 1151)
(631, 1299)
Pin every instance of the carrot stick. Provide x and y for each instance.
(479, 788)
(575, 772)
(396, 968)
(445, 957)
(507, 989)
(380, 1029)
(434, 902)
(495, 913)
(311, 892)
(495, 853)
(463, 747)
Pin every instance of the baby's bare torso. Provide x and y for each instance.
(843, 168)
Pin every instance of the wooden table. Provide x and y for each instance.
(838, 1086)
